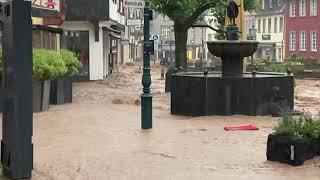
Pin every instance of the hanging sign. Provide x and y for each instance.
(51, 4)
(134, 3)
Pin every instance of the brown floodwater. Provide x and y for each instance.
(98, 137)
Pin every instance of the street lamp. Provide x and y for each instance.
(253, 36)
(146, 97)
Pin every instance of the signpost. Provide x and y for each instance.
(134, 3)
(134, 22)
(51, 4)
(155, 38)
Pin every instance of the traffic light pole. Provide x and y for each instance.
(146, 97)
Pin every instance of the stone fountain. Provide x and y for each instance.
(232, 91)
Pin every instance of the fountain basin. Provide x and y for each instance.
(194, 94)
(232, 54)
(226, 48)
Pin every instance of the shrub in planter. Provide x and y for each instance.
(61, 87)
(295, 140)
(47, 65)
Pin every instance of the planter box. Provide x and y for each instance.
(61, 91)
(41, 95)
(291, 151)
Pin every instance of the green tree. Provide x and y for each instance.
(184, 13)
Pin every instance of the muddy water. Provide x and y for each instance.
(98, 137)
(307, 96)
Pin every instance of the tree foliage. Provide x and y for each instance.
(185, 12)
(219, 12)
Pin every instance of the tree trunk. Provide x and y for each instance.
(181, 36)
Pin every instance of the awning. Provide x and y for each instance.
(111, 30)
(115, 36)
(43, 12)
(270, 45)
(48, 28)
(117, 26)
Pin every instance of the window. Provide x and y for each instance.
(166, 32)
(313, 41)
(302, 8)
(280, 54)
(280, 2)
(275, 26)
(303, 43)
(264, 26)
(259, 25)
(262, 4)
(292, 41)
(269, 25)
(270, 3)
(281, 25)
(313, 7)
(292, 8)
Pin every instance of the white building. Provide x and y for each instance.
(270, 30)
(95, 33)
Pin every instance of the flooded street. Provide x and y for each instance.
(98, 137)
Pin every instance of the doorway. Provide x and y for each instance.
(78, 42)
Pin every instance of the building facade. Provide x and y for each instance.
(44, 36)
(162, 27)
(250, 23)
(93, 30)
(270, 25)
(302, 28)
(134, 32)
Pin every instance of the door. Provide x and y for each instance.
(105, 54)
(113, 54)
(78, 42)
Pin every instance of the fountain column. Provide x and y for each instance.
(232, 64)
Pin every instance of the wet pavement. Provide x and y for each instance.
(98, 137)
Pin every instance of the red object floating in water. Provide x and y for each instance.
(242, 127)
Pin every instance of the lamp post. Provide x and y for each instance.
(253, 36)
(16, 143)
(146, 97)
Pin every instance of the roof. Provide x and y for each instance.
(43, 12)
(276, 9)
(48, 28)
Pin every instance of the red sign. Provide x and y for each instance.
(51, 4)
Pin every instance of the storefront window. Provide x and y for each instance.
(78, 42)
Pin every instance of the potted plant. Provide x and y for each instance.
(61, 87)
(47, 65)
(295, 140)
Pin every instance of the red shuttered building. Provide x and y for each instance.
(302, 21)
